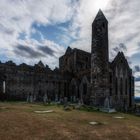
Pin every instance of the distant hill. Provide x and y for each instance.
(137, 99)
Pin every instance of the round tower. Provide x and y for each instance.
(99, 59)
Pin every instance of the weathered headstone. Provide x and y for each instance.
(107, 107)
(45, 98)
(56, 98)
(31, 98)
(65, 101)
(28, 98)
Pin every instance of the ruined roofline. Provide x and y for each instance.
(119, 55)
(73, 50)
(13, 64)
(82, 51)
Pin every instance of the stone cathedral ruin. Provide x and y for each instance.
(81, 76)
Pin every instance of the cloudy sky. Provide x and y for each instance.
(33, 30)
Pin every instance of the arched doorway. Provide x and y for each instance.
(40, 95)
(84, 95)
(85, 89)
(73, 91)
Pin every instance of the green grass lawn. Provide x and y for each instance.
(18, 121)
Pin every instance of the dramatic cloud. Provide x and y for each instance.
(17, 19)
(47, 50)
(26, 51)
(120, 48)
(124, 21)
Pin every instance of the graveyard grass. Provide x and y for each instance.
(18, 121)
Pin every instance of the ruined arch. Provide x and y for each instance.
(73, 90)
(50, 91)
(84, 89)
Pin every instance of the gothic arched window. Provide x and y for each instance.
(116, 86)
(121, 86)
(84, 89)
(103, 25)
(126, 86)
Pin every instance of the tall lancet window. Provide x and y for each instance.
(116, 86)
(121, 86)
(4, 88)
(126, 86)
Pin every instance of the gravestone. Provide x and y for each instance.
(28, 98)
(45, 98)
(65, 102)
(74, 99)
(107, 108)
(31, 98)
(56, 98)
(107, 103)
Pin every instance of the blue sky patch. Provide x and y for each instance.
(50, 32)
